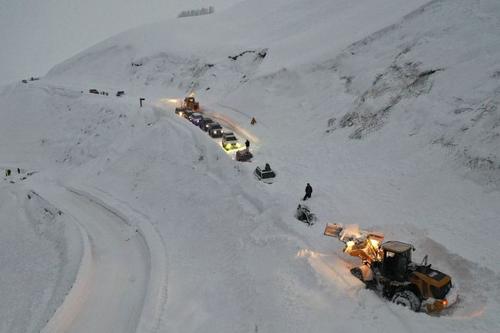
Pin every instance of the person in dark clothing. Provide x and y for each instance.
(309, 191)
(247, 144)
(253, 121)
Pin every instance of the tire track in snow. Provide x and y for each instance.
(156, 296)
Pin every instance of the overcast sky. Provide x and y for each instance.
(37, 34)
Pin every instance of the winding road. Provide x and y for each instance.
(112, 282)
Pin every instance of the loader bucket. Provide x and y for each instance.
(333, 230)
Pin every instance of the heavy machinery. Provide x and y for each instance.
(388, 269)
(191, 104)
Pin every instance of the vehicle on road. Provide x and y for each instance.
(215, 130)
(229, 141)
(180, 111)
(243, 155)
(187, 113)
(195, 118)
(265, 174)
(205, 123)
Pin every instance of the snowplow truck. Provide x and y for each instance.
(388, 269)
(191, 104)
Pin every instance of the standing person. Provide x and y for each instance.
(247, 144)
(253, 121)
(309, 191)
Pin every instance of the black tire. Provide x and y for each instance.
(356, 271)
(407, 299)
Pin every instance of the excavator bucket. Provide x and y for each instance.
(333, 230)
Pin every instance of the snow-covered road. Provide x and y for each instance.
(116, 277)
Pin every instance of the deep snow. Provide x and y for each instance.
(363, 101)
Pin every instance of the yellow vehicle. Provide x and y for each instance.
(230, 142)
(191, 104)
(387, 268)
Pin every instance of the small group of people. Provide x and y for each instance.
(8, 172)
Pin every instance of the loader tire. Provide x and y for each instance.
(407, 299)
(356, 271)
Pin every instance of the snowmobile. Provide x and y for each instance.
(303, 213)
(388, 269)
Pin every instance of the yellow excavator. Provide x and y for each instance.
(388, 269)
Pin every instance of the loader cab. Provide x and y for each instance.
(397, 257)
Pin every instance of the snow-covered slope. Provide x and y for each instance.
(40, 254)
(38, 34)
(437, 67)
(388, 108)
(178, 54)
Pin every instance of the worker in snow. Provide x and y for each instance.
(253, 121)
(300, 214)
(247, 144)
(309, 191)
